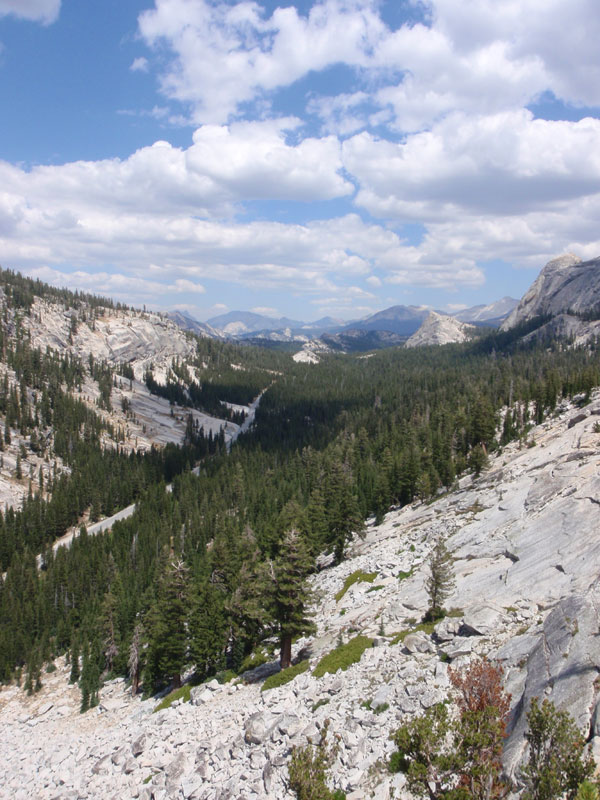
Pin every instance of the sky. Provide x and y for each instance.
(326, 157)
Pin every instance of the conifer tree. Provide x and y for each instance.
(135, 657)
(208, 629)
(440, 582)
(74, 675)
(167, 631)
(292, 595)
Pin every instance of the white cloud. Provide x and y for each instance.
(508, 163)
(255, 53)
(44, 11)
(187, 287)
(266, 311)
(140, 64)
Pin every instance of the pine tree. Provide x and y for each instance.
(167, 629)
(74, 676)
(292, 595)
(208, 629)
(440, 582)
(110, 629)
(135, 653)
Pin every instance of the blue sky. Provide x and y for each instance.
(317, 158)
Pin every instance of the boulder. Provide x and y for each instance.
(418, 642)
(259, 726)
(481, 620)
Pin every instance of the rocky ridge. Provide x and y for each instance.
(142, 339)
(526, 543)
(440, 329)
(565, 284)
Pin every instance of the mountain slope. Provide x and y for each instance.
(565, 284)
(526, 542)
(401, 320)
(491, 314)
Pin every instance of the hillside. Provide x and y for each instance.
(525, 545)
(206, 574)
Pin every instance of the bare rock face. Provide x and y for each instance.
(566, 283)
(440, 329)
(142, 339)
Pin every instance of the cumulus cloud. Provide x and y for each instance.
(256, 54)
(44, 11)
(508, 163)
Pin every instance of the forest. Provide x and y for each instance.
(202, 575)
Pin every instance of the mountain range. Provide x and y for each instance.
(388, 328)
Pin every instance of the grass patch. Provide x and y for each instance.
(454, 612)
(182, 693)
(285, 676)
(374, 588)
(380, 708)
(322, 702)
(358, 576)
(426, 627)
(224, 676)
(343, 656)
(254, 660)
(402, 575)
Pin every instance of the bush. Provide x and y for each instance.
(225, 676)
(557, 762)
(308, 770)
(358, 576)
(254, 660)
(343, 656)
(182, 693)
(285, 676)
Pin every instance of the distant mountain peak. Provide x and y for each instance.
(438, 329)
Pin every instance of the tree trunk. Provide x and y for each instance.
(285, 657)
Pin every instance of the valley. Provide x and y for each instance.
(183, 514)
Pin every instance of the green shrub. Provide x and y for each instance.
(285, 676)
(402, 575)
(50, 667)
(309, 770)
(380, 708)
(322, 702)
(254, 660)
(182, 693)
(358, 576)
(225, 676)
(343, 656)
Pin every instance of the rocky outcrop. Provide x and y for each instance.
(144, 340)
(565, 284)
(440, 329)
